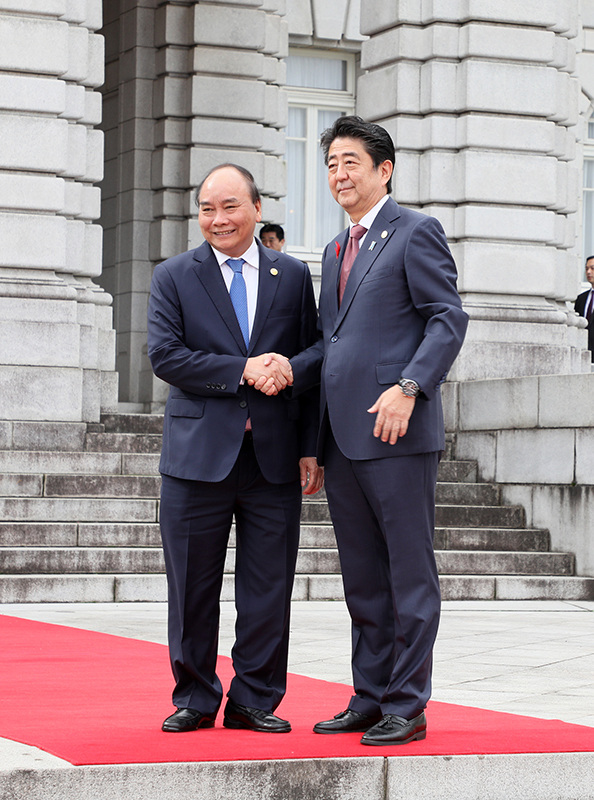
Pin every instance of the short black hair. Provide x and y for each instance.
(272, 228)
(249, 179)
(588, 259)
(376, 140)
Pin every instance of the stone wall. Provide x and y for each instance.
(57, 354)
(534, 435)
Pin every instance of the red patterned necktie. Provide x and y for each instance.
(350, 254)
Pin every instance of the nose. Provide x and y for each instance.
(220, 217)
(341, 173)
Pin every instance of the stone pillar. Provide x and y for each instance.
(57, 351)
(481, 102)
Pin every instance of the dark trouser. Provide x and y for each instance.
(383, 511)
(195, 520)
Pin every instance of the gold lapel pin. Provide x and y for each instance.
(384, 234)
(372, 245)
(274, 271)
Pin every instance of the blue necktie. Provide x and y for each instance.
(238, 294)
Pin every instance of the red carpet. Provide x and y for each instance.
(93, 698)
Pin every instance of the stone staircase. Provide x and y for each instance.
(79, 523)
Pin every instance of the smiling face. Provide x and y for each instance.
(354, 181)
(590, 271)
(227, 214)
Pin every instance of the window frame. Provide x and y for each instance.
(313, 101)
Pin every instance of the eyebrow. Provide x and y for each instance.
(209, 202)
(335, 155)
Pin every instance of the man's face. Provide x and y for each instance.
(272, 241)
(590, 271)
(227, 215)
(355, 183)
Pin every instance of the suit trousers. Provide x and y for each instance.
(196, 518)
(383, 511)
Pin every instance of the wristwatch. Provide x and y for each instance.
(409, 387)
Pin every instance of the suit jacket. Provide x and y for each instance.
(195, 344)
(580, 307)
(400, 314)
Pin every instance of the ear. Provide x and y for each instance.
(386, 168)
(258, 207)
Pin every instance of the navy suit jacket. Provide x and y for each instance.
(580, 307)
(401, 314)
(195, 344)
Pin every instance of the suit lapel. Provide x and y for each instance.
(378, 236)
(209, 273)
(269, 277)
(335, 263)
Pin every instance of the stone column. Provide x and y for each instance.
(481, 102)
(57, 352)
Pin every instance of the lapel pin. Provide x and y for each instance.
(384, 234)
(274, 271)
(372, 245)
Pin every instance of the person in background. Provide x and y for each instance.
(584, 305)
(273, 237)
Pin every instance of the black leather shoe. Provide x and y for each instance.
(187, 719)
(396, 730)
(253, 719)
(347, 722)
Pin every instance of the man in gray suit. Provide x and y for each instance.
(393, 324)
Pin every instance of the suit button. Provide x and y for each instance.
(209, 385)
(223, 386)
(334, 339)
(218, 386)
(243, 404)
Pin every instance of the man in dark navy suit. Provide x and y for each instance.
(228, 326)
(393, 324)
(584, 305)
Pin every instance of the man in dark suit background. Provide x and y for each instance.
(393, 324)
(584, 304)
(239, 440)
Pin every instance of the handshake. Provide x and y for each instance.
(269, 373)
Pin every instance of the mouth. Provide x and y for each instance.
(224, 233)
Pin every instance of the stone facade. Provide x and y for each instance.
(482, 101)
(57, 354)
(486, 103)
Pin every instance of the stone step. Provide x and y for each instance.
(26, 462)
(450, 516)
(153, 588)
(114, 463)
(122, 534)
(140, 560)
(129, 486)
(523, 539)
(467, 494)
(74, 509)
(123, 443)
(462, 562)
(132, 423)
(459, 471)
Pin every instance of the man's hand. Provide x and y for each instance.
(269, 373)
(312, 476)
(393, 409)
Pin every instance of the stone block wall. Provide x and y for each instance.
(57, 355)
(535, 436)
(482, 102)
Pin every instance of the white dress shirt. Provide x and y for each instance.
(251, 271)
